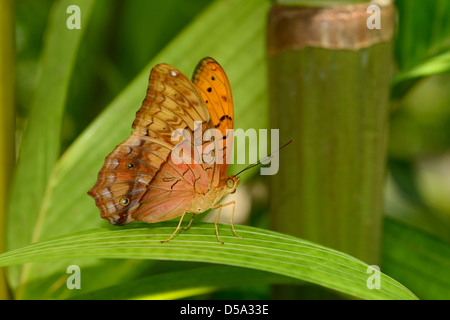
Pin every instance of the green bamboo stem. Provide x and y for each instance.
(329, 92)
(7, 120)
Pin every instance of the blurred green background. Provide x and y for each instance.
(122, 40)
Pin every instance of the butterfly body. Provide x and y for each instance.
(204, 202)
(143, 180)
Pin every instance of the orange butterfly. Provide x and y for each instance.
(140, 181)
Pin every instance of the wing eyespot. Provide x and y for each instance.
(124, 201)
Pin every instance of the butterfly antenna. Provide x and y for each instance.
(263, 159)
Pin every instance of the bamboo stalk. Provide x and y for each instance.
(329, 87)
(7, 120)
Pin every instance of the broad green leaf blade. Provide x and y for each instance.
(186, 283)
(238, 44)
(40, 146)
(259, 249)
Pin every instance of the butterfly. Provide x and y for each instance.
(142, 179)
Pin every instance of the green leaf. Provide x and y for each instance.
(258, 249)
(404, 80)
(432, 66)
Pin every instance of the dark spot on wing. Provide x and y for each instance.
(225, 117)
(174, 184)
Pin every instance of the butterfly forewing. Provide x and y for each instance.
(171, 103)
(214, 87)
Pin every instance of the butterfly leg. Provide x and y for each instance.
(176, 230)
(231, 220)
(217, 219)
(190, 222)
(220, 206)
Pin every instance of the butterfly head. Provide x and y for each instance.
(231, 183)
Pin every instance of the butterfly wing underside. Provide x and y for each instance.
(138, 176)
(140, 181)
